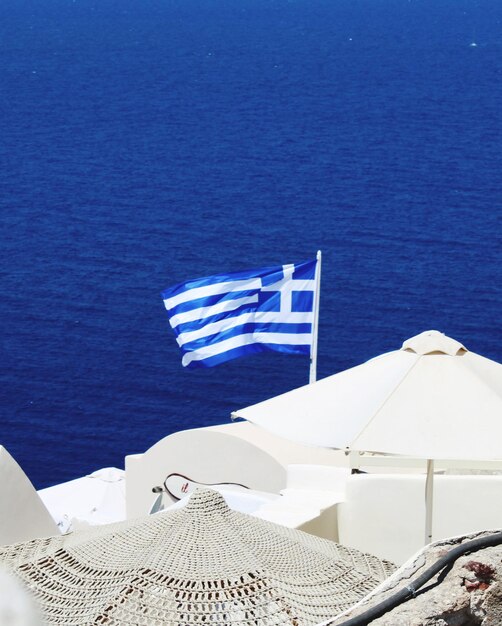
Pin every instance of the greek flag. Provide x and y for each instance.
(223, 317)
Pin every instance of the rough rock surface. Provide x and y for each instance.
(468, 593)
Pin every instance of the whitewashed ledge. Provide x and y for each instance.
(98, 498)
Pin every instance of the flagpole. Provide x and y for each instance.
(315, 325)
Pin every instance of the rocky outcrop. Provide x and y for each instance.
(466, 593)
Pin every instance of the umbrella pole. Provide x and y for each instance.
(429, 492)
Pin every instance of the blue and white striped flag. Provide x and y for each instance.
(223, 317)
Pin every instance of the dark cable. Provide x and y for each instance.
(410, 591)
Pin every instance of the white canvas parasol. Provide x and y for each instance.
(432, 399)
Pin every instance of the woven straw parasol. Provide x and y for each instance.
(202, 564)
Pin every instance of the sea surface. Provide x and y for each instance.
(146, 142)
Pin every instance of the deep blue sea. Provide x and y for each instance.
(146, 142)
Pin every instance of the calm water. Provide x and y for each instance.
(146, 142)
